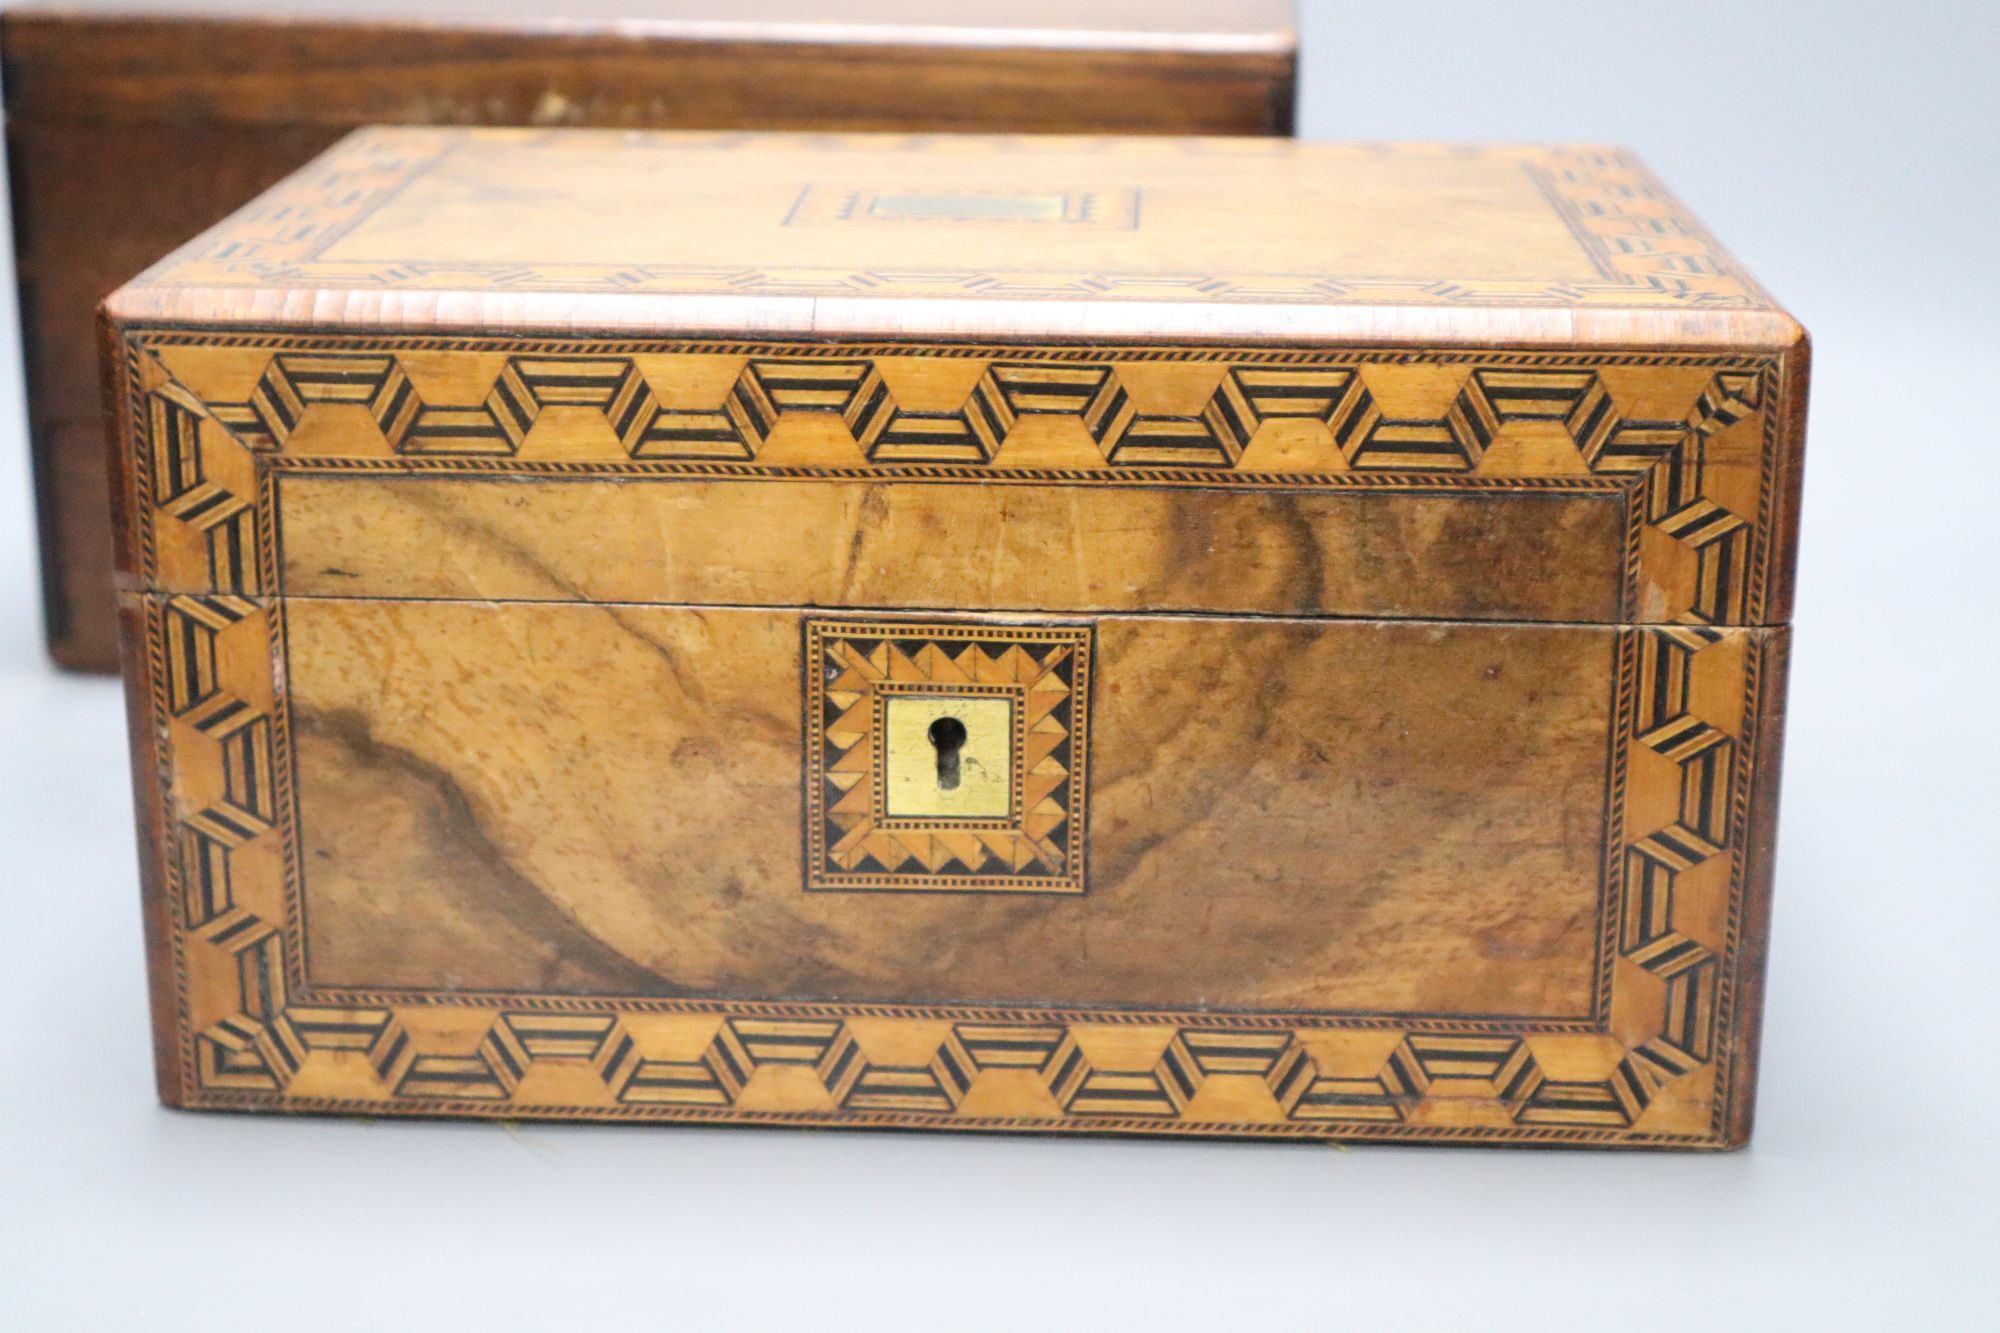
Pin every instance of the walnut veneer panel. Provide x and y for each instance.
(1036, 546)
(1353, 816)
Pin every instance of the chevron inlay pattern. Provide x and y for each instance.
(768, 388)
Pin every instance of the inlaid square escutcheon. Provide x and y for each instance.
(945, 757)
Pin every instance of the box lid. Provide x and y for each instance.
(1505, 383)
(940, 236)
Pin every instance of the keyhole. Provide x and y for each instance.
(948, 735)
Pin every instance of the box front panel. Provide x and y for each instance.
(494, 772)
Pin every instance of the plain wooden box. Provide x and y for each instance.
(129, 131)
(1362, 576)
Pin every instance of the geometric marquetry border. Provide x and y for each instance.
(1658, 1064)
(852, 666)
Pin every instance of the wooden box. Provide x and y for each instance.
(130, 132)
(1186, 636)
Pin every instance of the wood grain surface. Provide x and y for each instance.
(129, 132)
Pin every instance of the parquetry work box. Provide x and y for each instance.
(1209, 637)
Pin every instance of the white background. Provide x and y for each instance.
(1846, 152)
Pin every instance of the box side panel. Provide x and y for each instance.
(1774, 670)
(1754, 936)
(1788, 461)
(144, 679)
(150, 811)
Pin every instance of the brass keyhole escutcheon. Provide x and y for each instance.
(949, 757)
(947, 735)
